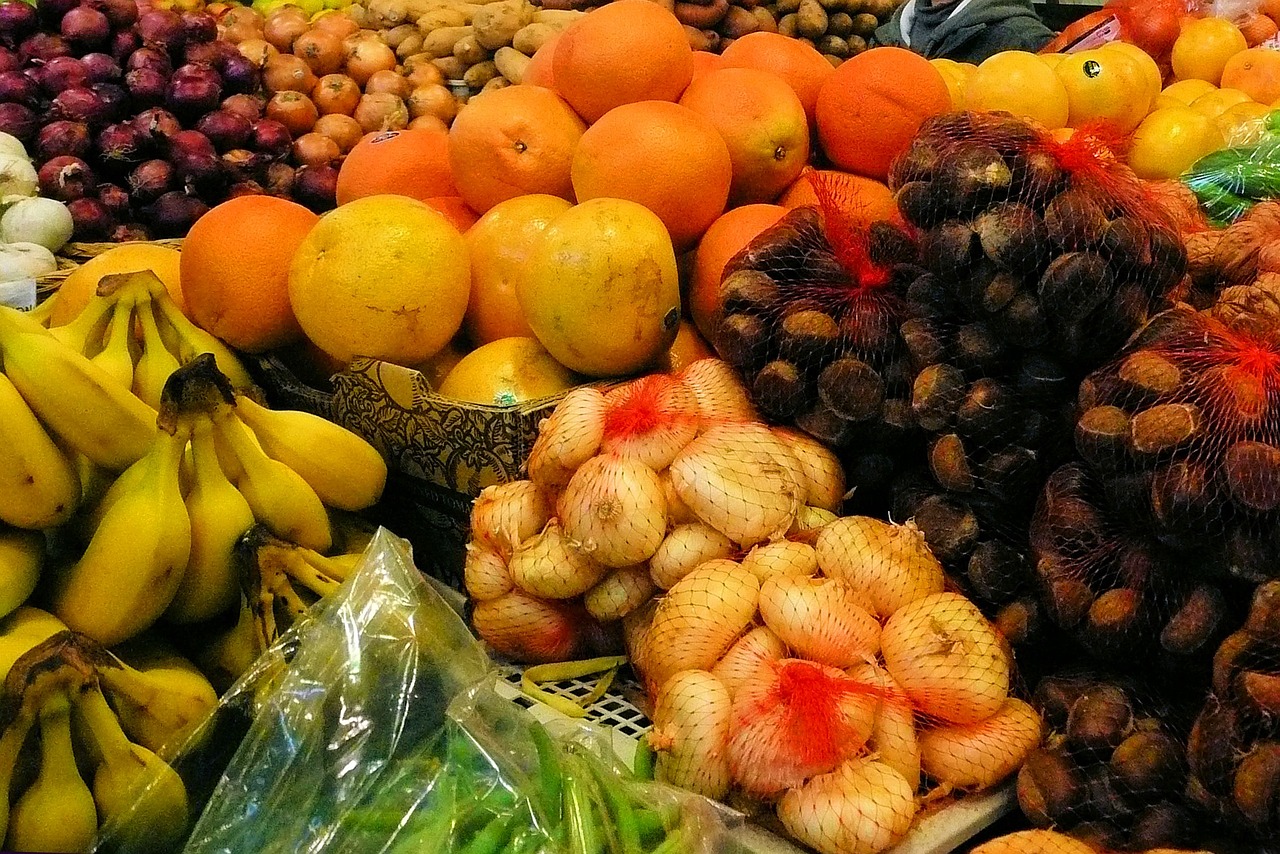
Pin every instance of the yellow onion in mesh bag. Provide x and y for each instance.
(485, 573)
(614, 509)
(507, 514)
(1036, 842)
(690, 731)
(863, 807)
(721, 395)
(619, 593)
(894, 740)
(550, 565)
(650, 420)
(819, 618)
(686, 548)
(749, 658)
(783, 557)
(979, 755)
(890, 563)
(821, 473)
(568, 437)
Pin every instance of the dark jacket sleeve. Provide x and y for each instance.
(978, 42)
(889, 34)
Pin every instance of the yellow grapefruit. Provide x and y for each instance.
(1217, 102)
(79, 287)
(506, 372)
(1185, 91)
(1150, 71)
(1105, 86)
(1169, 140)
(1203, 48)
(1021, 83)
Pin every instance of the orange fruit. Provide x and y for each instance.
(235, 270)
(1215, 103)
(383, 276)
(1185, 91)
(869, 200)
(661, 155)
(873, 104)
(455, 209)
(762, 122)
(954, 78)
(538, 72)
(1150, 70)
(726, 237)
(1243, 124)
(506, 372)
(435, 369)
(1255, 72)
(511, 142)
(689, 347)
(601, 290)
(1050, 59)
(705, 62)
(1020, 83)
(1169, 140)
(1203, 48)
(499, 244)
(81, 285)
(1257, 28)
(1105, 86)
(796, 62)
(412, 163)
(626, 51)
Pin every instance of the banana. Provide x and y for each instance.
(21, 557)
(279, 496)
(116, 355)
(159, 696)
(220, 515)
(25, 628)
(156, 364)
(38, 484)
(135, 561)
(192, 340)
(57, 812)
(78, 400)
(12, 738)
(344, 470)
(227, 654)
(85, 333)
(142, 802)
(43, 313)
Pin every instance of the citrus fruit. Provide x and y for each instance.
(1150, 70)
(626, 51)
(1215, 103)
(1105, 86)
(511, 142)
(506, 372)
(1255, 72)
(235, 270)
(688, 348)
(1184, 92)
(1020, 83)
(726, 237)
(1169, 140)
(412, 163)
(954, 78)
(383, 276)
(763, 124)
(1243, 124)
(1203, 48)
(435, 369)
(867, 199)
(455, 209)
(1257, 28)
(661, 155)
(1052, 59)
(705, 62)
(499, 244)
(539, 71)
(600, 290)
(82, 284)
(872, 105)
(796, 62)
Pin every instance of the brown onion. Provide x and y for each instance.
(336, 93)
(287, 73)
(365, 57)
(388, 81)
(283, 26)
(258, 51)
(315, 149)
(343, 130)
(381, 111)
(320, 50)
(242, 165)
(294, 110)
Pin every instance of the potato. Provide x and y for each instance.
(451, 67)
(479, 74)
(812, 19)
(530, 37)
(439, 19)
(558, 18)
(393, 37)
(697, 39)
(498, 82)
(439, 43)
(511, 63)
(385, 14)
(738, 22)
(786, 7)
(768, 23)
(497, 24)
(469, 51)
(411, 46)
(789, 25)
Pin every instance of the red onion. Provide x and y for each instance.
(270, 137)
(43, 47)
(225, 130)
(198, 27)
(66, 179)
(53, 10)
(9, 60)
(205, 53)
(122, 143)
(195, 160)
(62, 138)
(245, 188)
(92, 219)
(193, 90)
(151, 180)
(161, 28)
(157, 124)
(17, 20)
(124, 43)
(173, 214)
(316, 187)
(101, 68)
(249, 106)
(130, 231)
(239, 74)
(242, 165)
(19, 88)
(114, 99)
(146, 86)
(149, 57)
(121, 13)
(279, 179)
(79, 105)
(115, 200)
(85, 27)
(62, 73)
(17, 120)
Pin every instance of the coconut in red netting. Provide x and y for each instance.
(809, 314)
(1040, 259)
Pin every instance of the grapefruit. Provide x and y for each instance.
(1169, 140)
(408, 162)
(506, 372)
(1204, 47)
(802, 67)
(1021, 83)
(82, 284)
(1105, 86)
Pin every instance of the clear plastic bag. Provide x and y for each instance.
(1231, 181)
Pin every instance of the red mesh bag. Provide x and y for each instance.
(809, 314)
(1040, 259)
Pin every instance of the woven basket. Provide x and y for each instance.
(73, 255)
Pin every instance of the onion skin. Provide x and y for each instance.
(893, 739)
(749, 658)
(691, 722)
(979, 755)
(684, 549)
(823, 476)
(529, 630)
(820, 619)
(505, 515)
(62, 138)
(485, 574)
(66, 179)
(863, 807)
(721, 395)
(650, 420)
(891, 564)
(783, 557)
(619, 593)
(551, 566)
(567, 438)
(615, 509)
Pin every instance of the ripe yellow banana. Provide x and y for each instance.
(135, 561)
(220, 516)
(12, 738)
(135, 823)
(344, 470)
(25, 628)
(192, 340)
(78, 400)
(43, 313)
(116, 355)
(38, 484)
(85, 333)
(159, 696)
(21, 557)
(56, 813)
(280, 498)
(156, 364)
(225, 655)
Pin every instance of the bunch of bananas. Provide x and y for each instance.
(69, 704)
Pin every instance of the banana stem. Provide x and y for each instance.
(104, 726)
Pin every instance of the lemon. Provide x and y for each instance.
(1171, 139)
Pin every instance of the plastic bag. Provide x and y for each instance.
(1231, 181)
(1152, 25)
